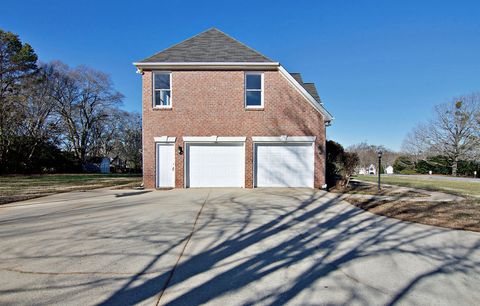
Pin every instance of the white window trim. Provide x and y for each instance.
(155, 90)
(262, 89)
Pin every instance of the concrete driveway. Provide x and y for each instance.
(263, 246)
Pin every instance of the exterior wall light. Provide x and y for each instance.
(180, 150)
(320, 149)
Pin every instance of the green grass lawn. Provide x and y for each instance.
(21, 187)
(455, 187)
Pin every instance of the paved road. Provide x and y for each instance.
(263, 246)
(439, 177)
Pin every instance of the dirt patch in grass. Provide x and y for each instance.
(23, 187)
(463, 215)
(357, 187)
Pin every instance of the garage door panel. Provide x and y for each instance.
(284, 165)
(215, 165)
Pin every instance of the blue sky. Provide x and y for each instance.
(379, 66)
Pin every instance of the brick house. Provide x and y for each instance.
(217, 113)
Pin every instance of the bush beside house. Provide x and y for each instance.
(340, 165)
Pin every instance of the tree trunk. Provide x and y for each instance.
(455, 166)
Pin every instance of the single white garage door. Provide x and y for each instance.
(284, 165)
(215, 165)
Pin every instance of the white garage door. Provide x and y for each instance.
(284, 165)
(215, 165)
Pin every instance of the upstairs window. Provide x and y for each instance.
(162, 89)
(254, 90)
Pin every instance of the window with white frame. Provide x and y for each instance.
(162, 89)
(254, 90)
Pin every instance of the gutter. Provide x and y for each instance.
(208, 65)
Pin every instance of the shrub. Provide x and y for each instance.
(423, 167)
(402, 163)
(439, 165)
(408, 171)
(340, 165)
(468, 167)
(48, 158)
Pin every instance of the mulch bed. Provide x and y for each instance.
(356, 187)
(463, 215)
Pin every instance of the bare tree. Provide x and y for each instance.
(85, 100)
(54, 108)
(414, 144)
(131, 138)
(453, 132)
(368, 154)
(39, 123)
(476, 120)
(107, 135)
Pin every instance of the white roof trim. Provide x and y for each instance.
(284, 138)
(165, 139)
(207, 65)
(214, 139)
(327, 116)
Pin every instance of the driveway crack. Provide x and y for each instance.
(172, 272)
(22, 271)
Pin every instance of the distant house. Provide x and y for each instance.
(362, 171)
(105, 165)
(372, 169)
(389, 170)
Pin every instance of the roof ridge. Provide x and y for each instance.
(236, 40)
(174, 45)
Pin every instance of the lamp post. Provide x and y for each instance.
(379, 166)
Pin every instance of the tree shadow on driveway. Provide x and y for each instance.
(273, 248)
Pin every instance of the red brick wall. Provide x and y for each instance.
(209, 103)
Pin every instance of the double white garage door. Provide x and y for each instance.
(223, 164)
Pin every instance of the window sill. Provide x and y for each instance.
(254, 108)
(162, 108)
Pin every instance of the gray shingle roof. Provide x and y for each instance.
(297, 76)
(210, 46)
(312, 90)
(309, 87)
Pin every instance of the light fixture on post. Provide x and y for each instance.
(379, 166)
